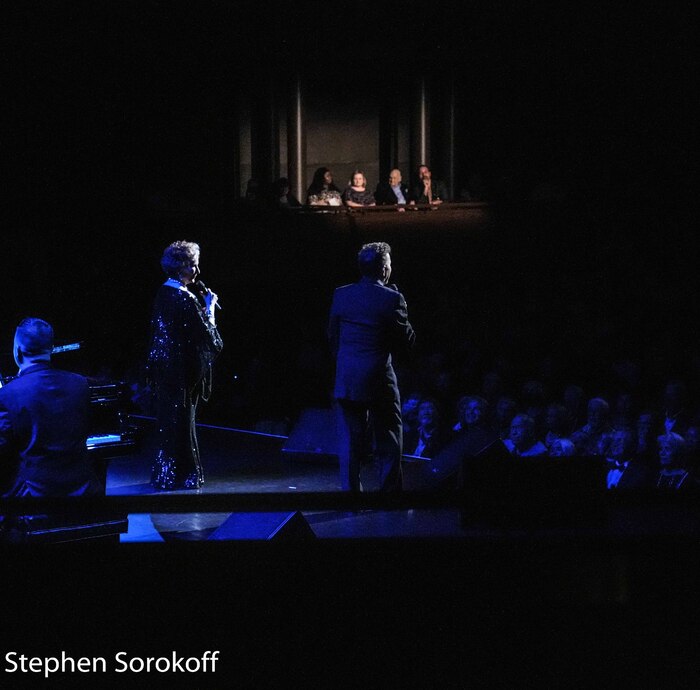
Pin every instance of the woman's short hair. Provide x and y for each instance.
(177, 256)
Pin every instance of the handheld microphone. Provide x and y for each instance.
(202, 289)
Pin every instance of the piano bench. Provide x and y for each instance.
(54, 530)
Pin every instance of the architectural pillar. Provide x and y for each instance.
(420, 128)
(296, 142)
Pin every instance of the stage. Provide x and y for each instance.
(309, 597)
(238, 461)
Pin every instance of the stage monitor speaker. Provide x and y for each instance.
(313, 438)
(264, 526)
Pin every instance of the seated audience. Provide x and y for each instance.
(393, 192)
(409, 412)
(429, 437)
(562, 448)
(556, 423)
(532, 403)
(472, 411)
(282, 197)
(646, 437)
(506, 408)
(627, 470)
(322, 191)
(624, 414)
(522, 440)
(356, 194)
(676, 416)
(592, 437)
(427, 190)
(574, 402)
(673, 474)
(691, 449)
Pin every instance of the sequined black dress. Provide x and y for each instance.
(183, 347)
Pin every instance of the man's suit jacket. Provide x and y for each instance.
(44, 420)
(439, 189)
(368, 322)
(385, 196)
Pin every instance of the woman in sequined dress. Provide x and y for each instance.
(184, 344)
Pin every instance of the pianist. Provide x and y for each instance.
(44, 419)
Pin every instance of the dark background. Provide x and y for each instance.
(579, 121)
(107, 104)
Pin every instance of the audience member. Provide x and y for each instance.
(322, 191)
(626, 469)
(624, 413)
(393, 192)
(282, 197)
(356, 194)
(676, 414)
(427, 190)
(492, 387)
(506, 408)
(646, 438)
(522, 440)
(673, 474)
(574, 402)
(691, 449)
(532, 400)
(429, 437)
(556, 423)
(472, 411)
(409, 412)
(592, 437)
(562, 447)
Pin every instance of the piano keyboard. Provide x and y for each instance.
(103, 439)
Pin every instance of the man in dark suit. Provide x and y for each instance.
(428, 190)
(394, 191)
(44, 417)
(369, 322)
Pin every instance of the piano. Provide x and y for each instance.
(112, 433)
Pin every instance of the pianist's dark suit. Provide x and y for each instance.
(368, 322)
(44, 419)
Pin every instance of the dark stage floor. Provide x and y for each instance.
(237, 461)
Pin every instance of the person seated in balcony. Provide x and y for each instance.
(427, 190)
(393, 192)
(282, 197)
(322, 191)
(356, 194)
